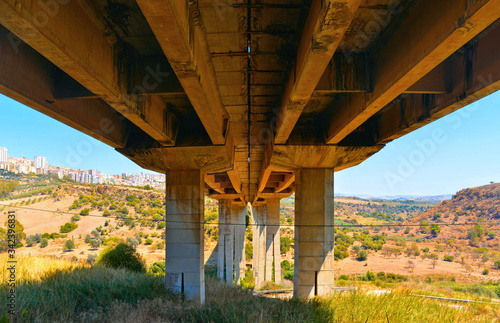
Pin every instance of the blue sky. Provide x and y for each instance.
(458, 151)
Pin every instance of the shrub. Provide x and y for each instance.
(69, 245)
(44, 243)
(106, 213)
(362, 255)
(84, 212)
(248, 251)
(285, 244)
(344, 277)
(157, 268)
(497, 264)
(449, 258)
(75, 218)
(285, 264)
(486, 272)
(122, 256)
(370, 276)
(95, 243)
(68, 227)
(148, 241)
(381, 275)
(91, 257)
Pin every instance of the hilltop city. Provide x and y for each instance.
(39, 165)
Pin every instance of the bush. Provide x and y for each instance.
(75, 218)
(44, 243)
(344, 277)
(285, 264)
(106, 213)
(157, 268)
(91, 257)
(68, 227)
(449, 258)
(370, 276)
(122, 256)
(84, 212)
(248, 251)
(96, 243)
(362, 255)
(497, 264)
(285, 244)
(69, 245)
(148, 241)
(486, 272)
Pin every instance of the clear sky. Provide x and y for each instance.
(458, 151)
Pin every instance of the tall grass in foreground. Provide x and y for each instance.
(100, 294)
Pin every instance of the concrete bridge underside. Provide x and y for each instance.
(248, 101)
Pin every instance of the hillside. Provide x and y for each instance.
(458, 215)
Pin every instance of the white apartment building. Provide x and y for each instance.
(4, 155)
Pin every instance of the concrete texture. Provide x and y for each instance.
(239, 241)
(314, 259)
(273, 254)
(184, 267)
(259, 213)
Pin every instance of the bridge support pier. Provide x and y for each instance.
(225, 249)
(259, 213)
(314, 235)
(239, 241)
(273, 252)
(184, 236)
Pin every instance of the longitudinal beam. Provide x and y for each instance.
(64, 34)
(179, 31)
(25, 76)
(324, 29)
(476, 73)
(434, 30)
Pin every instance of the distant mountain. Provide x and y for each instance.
(434, 198)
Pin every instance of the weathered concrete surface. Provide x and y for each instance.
(273, 253)
(239, 241)
(184, 237)
(259, 214)
(314, 259)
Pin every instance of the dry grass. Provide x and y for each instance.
(59, 291)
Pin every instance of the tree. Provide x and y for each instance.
(106, 213)
(424, 225)
(69, 245)
(95, 243)
(435, 229)
(18, 232)
(44, 243)
(76, 218)
(85, 212)
(411, 265)
(362, 255)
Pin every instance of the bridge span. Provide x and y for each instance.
(248, 102)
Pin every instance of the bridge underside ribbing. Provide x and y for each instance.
(237, 100)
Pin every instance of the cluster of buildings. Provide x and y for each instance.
(39, 166)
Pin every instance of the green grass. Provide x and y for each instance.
(80, 293)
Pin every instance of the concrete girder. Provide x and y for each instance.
(476, 74)
(25, 76)
(323, 31)
(66, 37)
(178, 28)
(434, 30)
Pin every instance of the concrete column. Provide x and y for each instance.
(273, 254)
(225, 245)
(229, 245)
(184, 236)
(259, 240)
(239, 241)
(314, 238)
